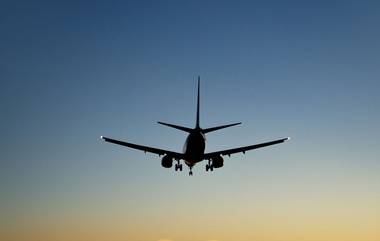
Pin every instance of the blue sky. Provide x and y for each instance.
(72, 71)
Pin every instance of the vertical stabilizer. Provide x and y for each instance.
(197, 123)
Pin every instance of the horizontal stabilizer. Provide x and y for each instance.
(219, 127)
(182, 128)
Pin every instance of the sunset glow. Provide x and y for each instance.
(73, 71)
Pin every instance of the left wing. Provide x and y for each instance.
(243, 149)
(175, 155)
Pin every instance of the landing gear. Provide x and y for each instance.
(178, 167)
(209, 166)
(190, 173)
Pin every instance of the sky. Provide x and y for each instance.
(71, 71)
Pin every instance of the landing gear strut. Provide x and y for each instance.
(191, 172)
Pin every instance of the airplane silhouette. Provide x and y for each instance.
(193, 150)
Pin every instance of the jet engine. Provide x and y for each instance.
(167, 161)
(217, 162)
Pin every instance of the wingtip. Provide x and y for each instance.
(288, 138)
(102, 137)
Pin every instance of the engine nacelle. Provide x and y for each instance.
(167, 161)
(217, 162)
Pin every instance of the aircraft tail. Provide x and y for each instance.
(197, 121)
(183, 128)
(219, 127)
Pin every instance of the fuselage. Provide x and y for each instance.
(194, 147)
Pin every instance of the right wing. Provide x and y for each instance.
(243, 149)
(175, 155)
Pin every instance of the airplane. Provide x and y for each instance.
(194, 147)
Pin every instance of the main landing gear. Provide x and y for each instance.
(209, 166)
(191, 172)
(178, 167)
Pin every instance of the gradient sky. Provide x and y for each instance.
(71, 71)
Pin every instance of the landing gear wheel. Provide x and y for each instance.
(190, 173)
(207, 167)
(178, 167)
(211, 168)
